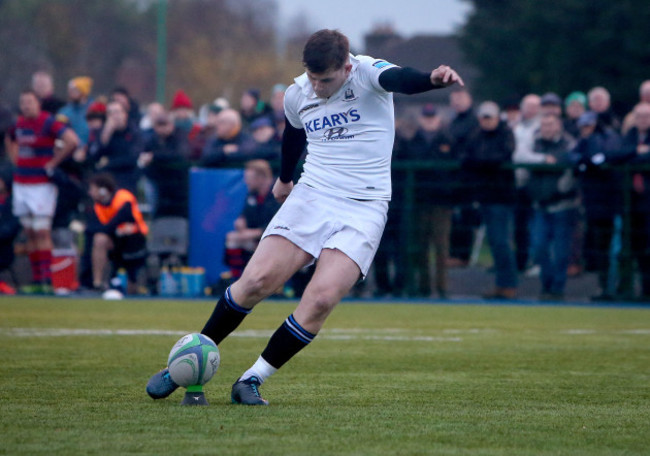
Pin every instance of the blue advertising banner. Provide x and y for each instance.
(217, 197)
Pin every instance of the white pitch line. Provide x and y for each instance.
(582, 332)
(332, 334)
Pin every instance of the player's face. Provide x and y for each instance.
(29, 105)
(329, 82)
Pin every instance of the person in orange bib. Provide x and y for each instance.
(118, 232)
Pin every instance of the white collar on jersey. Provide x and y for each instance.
(303, 81)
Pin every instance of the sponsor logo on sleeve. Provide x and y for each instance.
(379, 64)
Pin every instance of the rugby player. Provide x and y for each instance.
(342, 109)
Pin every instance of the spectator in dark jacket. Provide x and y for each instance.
(636, 147)
(601, 192)
(166, 164)
(600, 103)
(252, 107)
(488, 150)
(267, 143)
(465, 218)
(575, 105)
(231, 144)
(434, 198)
(554, 194)
(118, 147)
(131, 106)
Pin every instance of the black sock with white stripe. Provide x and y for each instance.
(287, 340)
(225, 318)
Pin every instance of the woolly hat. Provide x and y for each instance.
(578, 96)
(96, 110)
(83, 84)
(181, 100)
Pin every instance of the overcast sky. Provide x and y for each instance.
(355, 18)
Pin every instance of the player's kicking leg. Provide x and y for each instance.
(273, 263)
(334, 277)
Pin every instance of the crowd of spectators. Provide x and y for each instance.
(540, 177)
(112, 169)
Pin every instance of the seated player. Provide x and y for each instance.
(118, 232)
(257, 213)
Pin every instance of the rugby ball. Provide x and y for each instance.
(193, 360)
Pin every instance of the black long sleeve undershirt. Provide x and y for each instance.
(406, 80)
(293, 145)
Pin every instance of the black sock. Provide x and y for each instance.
(287, 340)
(225, 318)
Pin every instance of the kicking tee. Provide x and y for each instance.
(349, 135)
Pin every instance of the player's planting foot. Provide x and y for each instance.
(161, 385)
(247, 392)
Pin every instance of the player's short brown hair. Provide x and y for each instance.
(325, 50)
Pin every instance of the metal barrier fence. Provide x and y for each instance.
(407, 171)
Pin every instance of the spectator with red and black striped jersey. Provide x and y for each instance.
(31, 144)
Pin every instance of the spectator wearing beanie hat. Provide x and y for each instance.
(96, 114)
(251, 107)
(74, 112)
(182, 109)
(575, 104)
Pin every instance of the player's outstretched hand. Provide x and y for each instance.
(281, 190)
(444, 76)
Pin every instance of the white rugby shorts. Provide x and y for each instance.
(34, 200)
(314, 220)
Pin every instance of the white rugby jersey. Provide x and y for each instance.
(350, 135)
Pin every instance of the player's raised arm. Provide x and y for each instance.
(410, 81)
(293, 144)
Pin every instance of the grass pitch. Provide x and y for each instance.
(381, 379)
